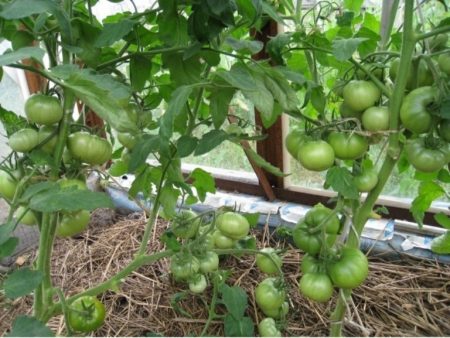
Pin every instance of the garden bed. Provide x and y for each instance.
(399, 298)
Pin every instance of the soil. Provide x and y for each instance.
(403, 298)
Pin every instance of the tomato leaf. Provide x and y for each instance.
(22, 8)
(21, 282)
(343, 49)
(242, 327)
(26, 326)
(69, 199)
(176, 105)
(252, 218)
(341, 180)
(353, 5)
(113, 32)
(276, 45)
(428, 192)
(22, 53)
(235, 300)
(146, 145)
(209, 141)
(171, 241)
(169, 197)
(203, 183)
(140, 70)
(11, 122)
(441, 244)
(444, 176)
(244, 46)
(8, 247)
(442, 220)
(5, 231)
(186, 145)
(219, 102)
(261, 162)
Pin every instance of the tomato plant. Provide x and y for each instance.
(427, 155)
(423, 75)
(360, 95)
(186, 224)
(127, 140)
(293, 141)
(270, 295)
(46, 139)
(268, 265)
(375, 119)
(183, 266)
(281, 312)
(310, 264)
(348, 146)
(366, 180)
(72, 224)
(86, 314)
(321, 216)
(209, 262)
(198, 283)
(221, 241)
(43, 109)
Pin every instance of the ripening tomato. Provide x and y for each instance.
(413, 112)
(233, 225)
(89, 148)
(43, 109)
(86, 314)
(316, 155)
(350, 270)
(316, 286)
(375, 119)
(8, 185)
(348, 146)
(73, 223)
(360, 95)
(266, 264)
(24, 140)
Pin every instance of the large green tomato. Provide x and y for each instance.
(316, 286)
(267, 265)
(366, 181)
(375, 119)
(316, 155)
(414, 114)
(350, 270)
(43, 135)
(72, 224)
(183, 266)
(268, 328)
(347, 112)
(65, 183)
(209, 262)
(281, 312)
(198, 283)
(423, 75)
(233, 225)
(310, 264)
(127, 140)
(360, 95)
(221, 241)
(28, 218)
(293, 141)
(8, 185)
(310, 243)
(348, 146)
(43, 109)
(186, 224)
(86, 314)
(24, 140)
(269, 295)
(89, 148)
(439, 42)
(444, 130)
(425, 158)
(444, 63)
(320, 214)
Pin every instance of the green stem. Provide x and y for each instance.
(65, 310)
(362, 214)
(212, 309)
(373, 78)
(440, 30)
(112, 282)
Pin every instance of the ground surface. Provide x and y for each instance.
(403, 298)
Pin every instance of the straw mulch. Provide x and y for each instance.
(404, 298)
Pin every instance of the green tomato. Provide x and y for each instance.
(316, 155)
(233, 225)
(183, 267)
(444, 130)
(441, 244)
(8, 186)
(281, 312)
(268, 328)
(444, 63)
(198, 283)
(86, 314)
(221, 241)
(186, 224)
(350, 270)
(347, 112)
(413, 112)
(65, 183)
(28, 218)
(209, 262)
(24, 140)
(425, 158)
(366, 181)
(43, 134)
(310, 243)
(423, 74)
(374, 69)
(439, 42)
(127, 140)
(360, 95)
(375, 119)
(267, 265)
(43, 109)
(316, 286)
(89, 148)
(348, 146)
(320, 214)
(269, 295)
(293, 141)
(310, 264)
(72, 224)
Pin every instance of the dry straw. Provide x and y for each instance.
(402, 298)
